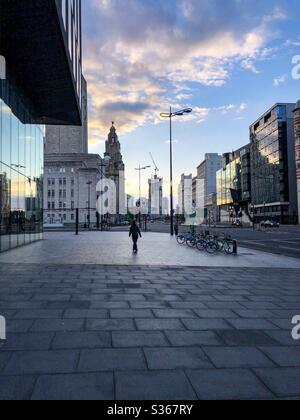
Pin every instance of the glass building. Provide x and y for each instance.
(234, 182)
(273, 168)
(35, 89)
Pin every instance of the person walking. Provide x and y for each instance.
(135, 233)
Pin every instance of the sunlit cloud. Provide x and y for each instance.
(143, 56)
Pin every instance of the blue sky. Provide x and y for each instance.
(228, 59)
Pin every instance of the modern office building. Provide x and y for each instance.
(297, 140)
(234, 184)
(207, 171)
(185, 195)
(155, 196)
(273, 165)
(40, 46)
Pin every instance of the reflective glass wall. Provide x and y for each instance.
(21, 183)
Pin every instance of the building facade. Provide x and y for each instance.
(71, 173)
(297, 141)
(185, 195)
(207, 171)
(273, 165)
(116, 169)
(31, 95)
(234, 184)
(155, 196)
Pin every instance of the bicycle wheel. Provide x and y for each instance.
(191, 242)
(211, 247)
(180, 239)
(201, 244)
(228, 247)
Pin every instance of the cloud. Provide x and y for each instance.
(141, 56)
(279, 80)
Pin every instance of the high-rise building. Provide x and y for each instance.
(116, 169)
(207, 171)
(185, 195)
(155, 196)
(234, 184)
(297, 140)
(273, 165)
(40, 48)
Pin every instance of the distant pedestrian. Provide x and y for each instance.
(135, 233)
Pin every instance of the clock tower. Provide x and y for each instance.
(116, 169)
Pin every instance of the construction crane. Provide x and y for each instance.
(155, 166)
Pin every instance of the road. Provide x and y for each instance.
(282, 241)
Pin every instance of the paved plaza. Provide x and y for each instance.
(132, 332)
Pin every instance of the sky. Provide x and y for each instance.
(230, 60)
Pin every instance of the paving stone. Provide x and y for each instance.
(283, 382)
(110, 325)
(176, 358)
(16, 388)
(18, 326)
(4, 358)
(193, 338)
(188, 305)
(39, 314)
(174, 313)
(254, 313)
(283, 324)
(49, 325)
(228, 384)
(252, 324)
(206, 324)
(215, 313)
(39, 362)
(283, 337)
(246, 338)
(159, 324)
(284, 357)
(149, 305)
(75, 387)
(138, 339)
(28, 341)
(155, 386)
(111, 359)
(81, 340)
(131, 313)
(110, 305)
(86, 313)
(237, 357)
(67, 305)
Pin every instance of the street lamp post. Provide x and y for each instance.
(106, 160)
(171, 115)
(140, 169)
(89, 183)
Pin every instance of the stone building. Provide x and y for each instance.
(116, 169)
(71, 173)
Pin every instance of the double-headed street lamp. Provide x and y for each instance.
(140, 169)
(171, 115)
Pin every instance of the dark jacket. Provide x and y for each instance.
(135, 231)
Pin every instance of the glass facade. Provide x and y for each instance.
(21, 169)
(228, 182)
(70, 11)
(270, 167)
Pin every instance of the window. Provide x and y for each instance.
(72, 217)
